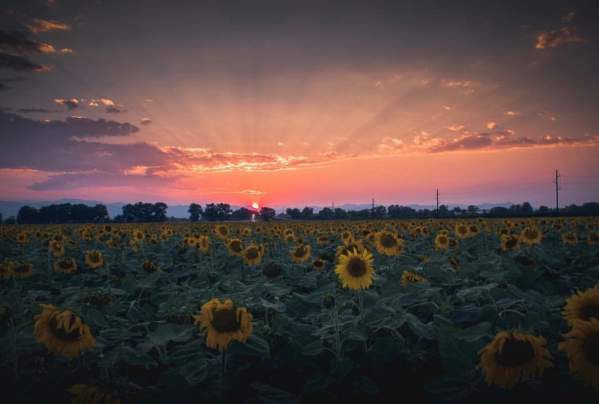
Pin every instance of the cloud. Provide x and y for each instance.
(35, 110)
(5, 80)
(491, 125)
(109, 104)
(111, 109)
(20, 63)
(40, 25)
(568, 17)
(506, 139)
(145, 121)
(455, 128)
(71, 103)
(17, 42)
(559, 37)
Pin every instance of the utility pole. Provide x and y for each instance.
(437, 201)
(557, 176)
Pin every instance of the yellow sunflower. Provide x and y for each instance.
(222, 231)
(593, 238)
(87, 394)
(512, 357)
(461, 230)
(138, 235)
(582, 347)
(441, 241)
(150, 266)
(252, 254)
(355, 270)
(224, 322)
(56, 248)
(509, 242)
(569, 238)
(408, 277)
(65, 265)
(387, 243)
(323, 240)
(531, 235)
(204, 244)
(94, 259)
(22, 238)
(235, 247)
(301, 253)
(62, 332)
(582, 305)
(6, 269)
(22, 270)
(319, 264)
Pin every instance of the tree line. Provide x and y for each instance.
(157, 212)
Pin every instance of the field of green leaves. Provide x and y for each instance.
(336, 312)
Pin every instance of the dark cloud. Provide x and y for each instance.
(4, 80)
(99, 179)
(35, 110)
(19, 63)
(111, 109)
(18, 42)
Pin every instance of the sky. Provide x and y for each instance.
(299, 103)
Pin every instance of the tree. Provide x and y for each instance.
(325, 214)
(241, 214)
(294, 213)
(499, 211)
(10, 220)
(443, 211)
(214, 212)
(27, 215)
(144, 212)
(267, 213)
(378, 212)
(340, 214)
(472, 210)
(195, 212)
(307, 213)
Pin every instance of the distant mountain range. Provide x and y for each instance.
(11, 208)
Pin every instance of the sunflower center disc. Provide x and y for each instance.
(515, 353)
(589, 311)
(356, 267)
(388, 241)
(511, 243)
(300, 252)
(590, 348)
(225, 320)
(63, 334)
(252, 253)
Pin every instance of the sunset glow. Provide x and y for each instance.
(284, 106)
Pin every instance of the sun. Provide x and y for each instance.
(255, 205)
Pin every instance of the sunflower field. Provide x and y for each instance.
(316, 311)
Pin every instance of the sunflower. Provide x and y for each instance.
(345, 250)
(582, 348)
(246, 231)
(222, 231)
(150, 266)
(252, 255)
(512, 357)
(473, 230)
(87, 394)
(509, 242)
(235, 247)
(62, 332)
(319, 264)
(22, 270)
(323, 240)
(56, 248)
(347, 237)
(203, 244)
(223, 323)
(531, 235)
(462, 230)
(569, 238)
(582, 305)
(22, 238)
(6, 269)
(138, 235)
(66, 265)
(441, 242)
(301, 253)
(387, 243)
(593, 238)
(356, 269)
(94, 259)
(408, 277)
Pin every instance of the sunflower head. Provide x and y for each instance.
(582, 347)
(442, 241)
(531, 235)
(319, 264)
(355, 270)
(408, 278)
(150, 266)
(461, 230)
(252, 254)
(65, 265)
(593, 238)
(62, 332)
(301, 253)
(224, 322)
(582, 306)
(22, 270)
(509, 242)
(56, 248)
(222, 231)
(203, 244)
(569, 238)
(513, 357)
(388, 243)
(235, 247)
(94, 259)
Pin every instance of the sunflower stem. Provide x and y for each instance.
(223, 371)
